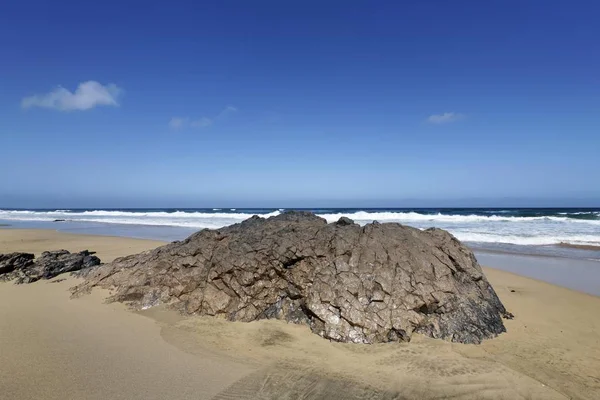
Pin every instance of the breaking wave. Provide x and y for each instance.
(520, 227)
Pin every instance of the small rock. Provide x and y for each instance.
(22, 267)
(343, 221)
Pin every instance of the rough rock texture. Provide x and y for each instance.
(376, 283)
(13, 261)
(22, 268)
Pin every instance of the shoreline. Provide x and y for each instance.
(548, 352)
(112, 247)
(574, 273)
(173, 232)
(477, 249)
(578, 246)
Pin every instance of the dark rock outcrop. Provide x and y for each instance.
(15, 261)
(376, 283)
(22, 268)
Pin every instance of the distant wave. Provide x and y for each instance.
(414, 216)
(359, 216)
(136, 214)
(157, 218)
(581, 213)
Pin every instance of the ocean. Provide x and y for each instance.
(535, 231)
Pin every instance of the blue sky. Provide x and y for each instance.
(274, 103)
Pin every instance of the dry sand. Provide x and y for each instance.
(54, 347)
(38, 240)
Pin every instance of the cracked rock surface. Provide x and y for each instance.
(349, 283)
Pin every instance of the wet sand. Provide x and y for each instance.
(579, 246)
(577, 274)
(54, 347)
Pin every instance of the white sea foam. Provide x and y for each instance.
(590, 240)
(539, 230)
(417, 217)
(580, 213)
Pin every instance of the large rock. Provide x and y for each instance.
(376, 283)
(22, 268)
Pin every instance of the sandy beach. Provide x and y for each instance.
(55, 347)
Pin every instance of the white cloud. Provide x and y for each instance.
(227, 111)
(203, 122)
(177, 123)
(87, 95)
(444, 118)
